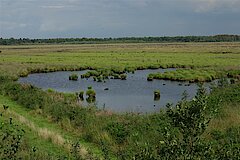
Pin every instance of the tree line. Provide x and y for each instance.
(215, 38)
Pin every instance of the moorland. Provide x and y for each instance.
(38, 124)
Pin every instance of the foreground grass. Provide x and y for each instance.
(229, 117)
(42, 132)
(33, 144)
(128, 136)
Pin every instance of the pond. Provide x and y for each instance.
(135, 94)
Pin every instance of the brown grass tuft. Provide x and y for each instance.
(52, 136)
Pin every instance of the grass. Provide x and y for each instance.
(44, 146)
(228, 114)
(124, 135)
(195, 75)
(73, 77)
(44, 128)
(54, 118)
(20, 61)
(230, 117)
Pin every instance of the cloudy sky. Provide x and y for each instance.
(117, 18)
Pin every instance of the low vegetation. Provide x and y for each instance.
(51, 125)
(101, 75)
(73, 77)
(20, 142)
(119, 58)
(91, 95)
(127, 136)
(195, 75)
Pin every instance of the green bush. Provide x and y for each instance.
(11, 139)
(118, 131)
(225, 144)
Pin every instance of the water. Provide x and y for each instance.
(132, 95)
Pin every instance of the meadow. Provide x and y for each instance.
(52, 125)
(24, 59)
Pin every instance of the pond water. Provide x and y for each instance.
(135, 94)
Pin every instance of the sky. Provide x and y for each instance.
(117, 18)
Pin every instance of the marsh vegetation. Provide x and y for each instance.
(46, 124)
(73, 77)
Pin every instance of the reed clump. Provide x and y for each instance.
(73, 77)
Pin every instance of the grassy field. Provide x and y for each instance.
(21, 60)
(205, 128)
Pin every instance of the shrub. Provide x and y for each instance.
(190, 119)
(118, 131)
(11, 137)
